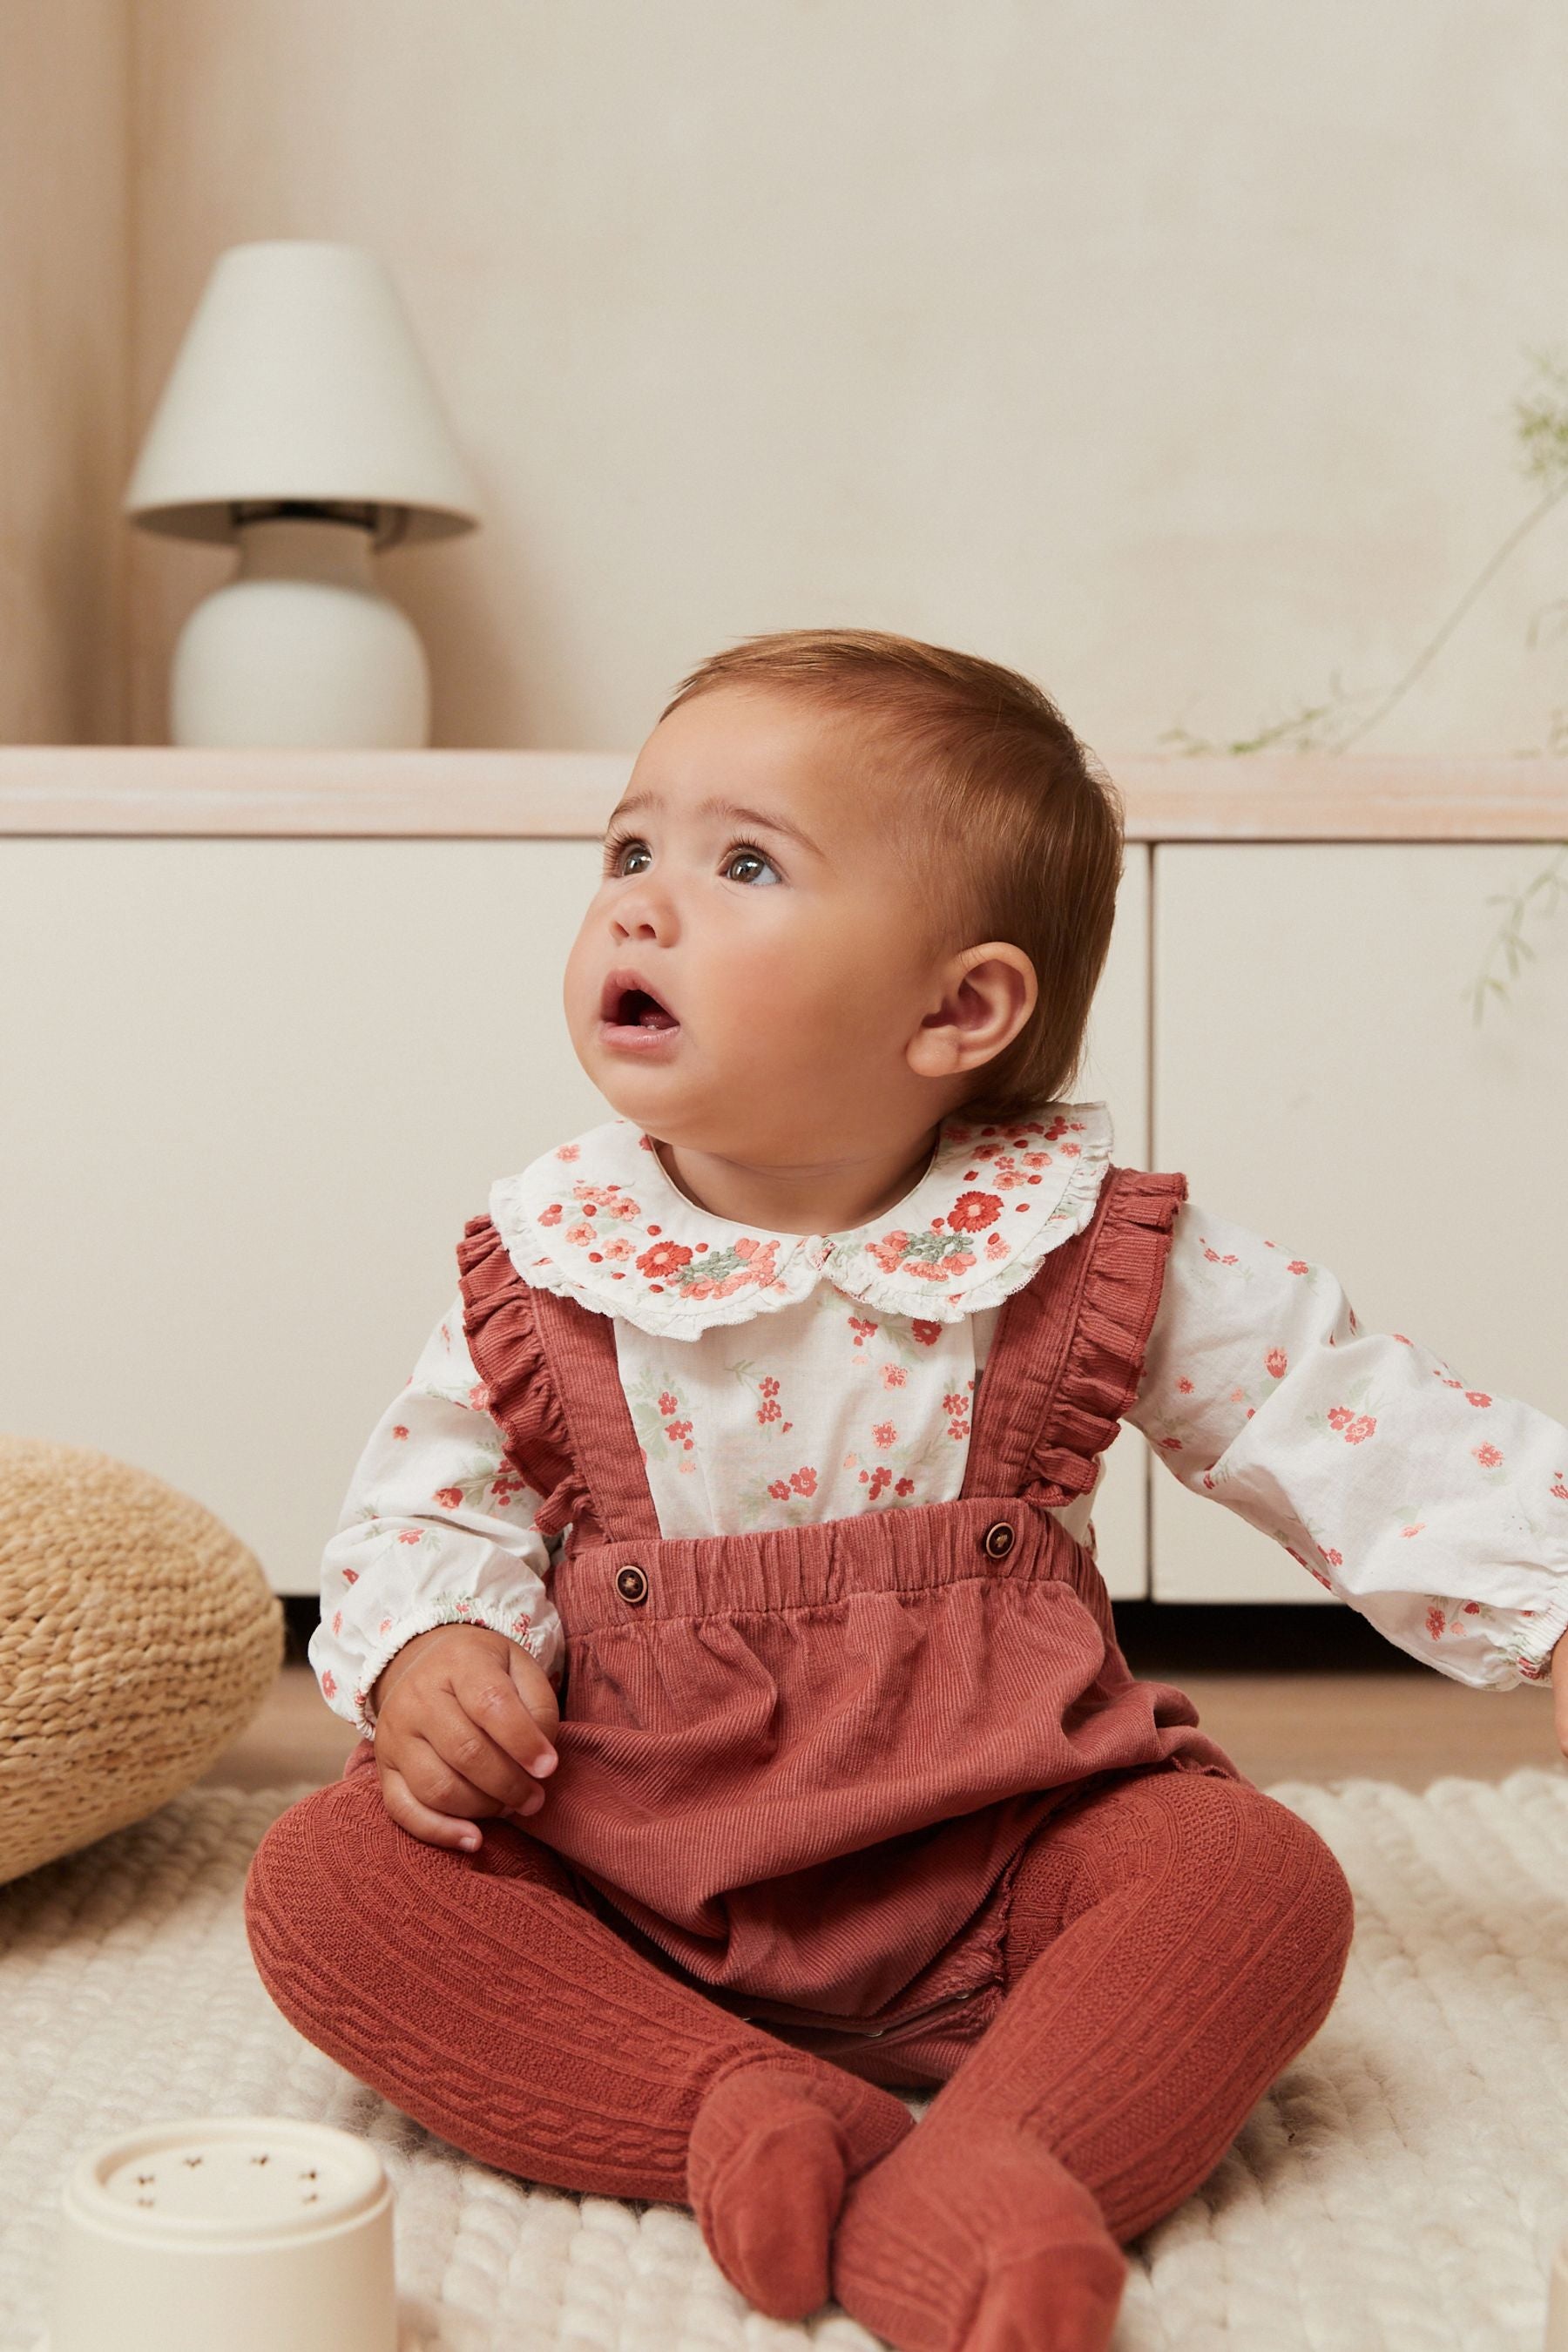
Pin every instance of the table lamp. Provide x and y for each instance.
(301, 422)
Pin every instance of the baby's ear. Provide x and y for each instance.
(988, 994)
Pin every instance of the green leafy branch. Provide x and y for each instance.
(1509, 938)
(1540, 429)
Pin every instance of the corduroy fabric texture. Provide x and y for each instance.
(805, 1774)
(138, 1637)
(801, 1762)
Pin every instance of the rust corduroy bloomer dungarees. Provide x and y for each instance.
(800, 1766)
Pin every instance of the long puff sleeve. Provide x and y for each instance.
(1432, 1505)
(436, 1528)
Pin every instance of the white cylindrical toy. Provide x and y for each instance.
(251, 2232)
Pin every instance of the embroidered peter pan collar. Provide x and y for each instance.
(598, 1219)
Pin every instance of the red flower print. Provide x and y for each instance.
(1297, 1265)
(1415, 1530)
(328, 1683)
(880, 1476)
(905, 1486)
(973, 1212)
(578, 1236)
(888, 1251)
(1360, 1431)
(669, 1402)
(952, 1404)
(1275, 1363)
(768, 1386)
(1208, 1482)
(1435, 1621)
(567, 1152)
(1477, 1396)
(958, 1428)
(351, 1576)
(665, 1257)
(337, 1621)
(779, 1491)
(1487, 1455)
(408, 1535)
(678, 1432)
(1184, 1385)
(1214, 1256)
(1331, 1556)
(552, 1215)
(1560, 1487)
(804, 1481)
(448, 1496)
(927, 1334)
(400, 1431)
(894, 1376)
(1402, 1341)
(1472, 1608)
(1171, 1444)
(884, 1433)
(769, 1409)
(862, 1328)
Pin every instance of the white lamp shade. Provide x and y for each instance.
(299, 378)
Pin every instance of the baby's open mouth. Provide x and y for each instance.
(627, 1005)
(638, 1010)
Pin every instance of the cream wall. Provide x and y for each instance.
(1168, 353)
(63, 301)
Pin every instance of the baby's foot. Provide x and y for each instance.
(987, 2246)
(775, 2144)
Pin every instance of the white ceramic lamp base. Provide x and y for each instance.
(301, 649)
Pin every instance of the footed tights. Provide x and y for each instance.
(1175, 1939)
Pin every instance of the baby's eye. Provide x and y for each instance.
(615, 851)
(748, 856)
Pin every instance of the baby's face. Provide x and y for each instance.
(781, 946)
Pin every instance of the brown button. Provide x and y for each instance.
(631, 1583)
(998, 1538)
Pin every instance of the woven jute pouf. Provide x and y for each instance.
(138, 1637)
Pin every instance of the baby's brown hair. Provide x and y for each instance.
(998, 771)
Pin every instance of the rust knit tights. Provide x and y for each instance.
(1174, 1940)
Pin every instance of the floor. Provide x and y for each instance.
(1290, 1694)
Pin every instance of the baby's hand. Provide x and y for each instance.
(464, 1717)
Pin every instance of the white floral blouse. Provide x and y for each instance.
(774, 1378)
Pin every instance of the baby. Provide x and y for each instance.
(745, 1734)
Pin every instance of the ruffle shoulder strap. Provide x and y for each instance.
(1069, 1350)
(508, 1355)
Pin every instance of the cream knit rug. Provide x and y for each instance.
(1403, 2184)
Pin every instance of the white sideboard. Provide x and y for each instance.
(270, 1023)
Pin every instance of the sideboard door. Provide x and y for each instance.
(253, 1089)
(1320, 1077)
